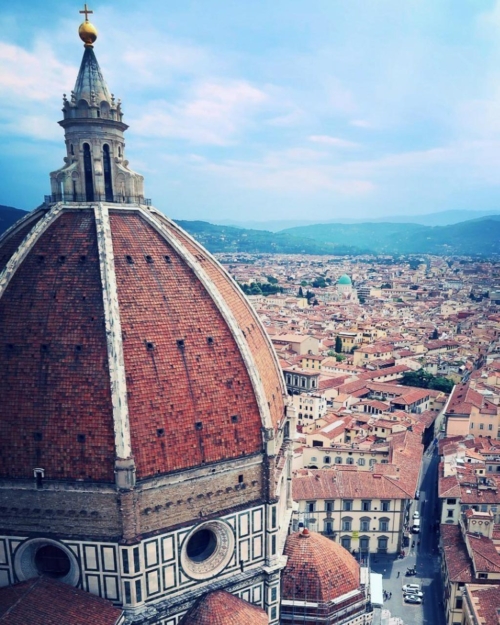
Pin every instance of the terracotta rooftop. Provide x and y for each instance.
(318, 569)
(199, 374)
(486, 602)
(223, 608)
(44, 601)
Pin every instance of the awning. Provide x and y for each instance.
(376, 590)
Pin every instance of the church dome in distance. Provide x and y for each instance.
(318, 569)
(222, 608)
(344, 279)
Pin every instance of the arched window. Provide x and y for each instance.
(83, 108)
(382, 543)
(338, 460)
(106, 161)
(364, 543)
(349, 460)
(361, 462)
(383, 524)
(89, 177)
(364, 524)
(327, 460)
(346, 524)
(345, 541)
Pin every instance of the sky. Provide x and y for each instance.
(257, 110)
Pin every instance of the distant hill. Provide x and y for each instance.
(478, 236)
(9, 216)
(442, 218)
(474, 237)
(229, 239)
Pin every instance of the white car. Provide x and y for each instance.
(412, 599)
(411, 588)
(416, 514)
(414, 593)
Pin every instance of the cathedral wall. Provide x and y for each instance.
(177, 504)
(154, 571)
(60, 512)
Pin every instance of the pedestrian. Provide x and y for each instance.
(399, 573)
(390, 595)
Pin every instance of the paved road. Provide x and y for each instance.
(423, 556)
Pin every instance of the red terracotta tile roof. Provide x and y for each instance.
(486, 600)
(44, 601)
(318, 569)
(458, 562)
(56, 410)
(222, 608)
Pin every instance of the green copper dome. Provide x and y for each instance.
(344, 279)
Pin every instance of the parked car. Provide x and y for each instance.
(412, 599)
(416, 514)
(410, 587)
(415, 593)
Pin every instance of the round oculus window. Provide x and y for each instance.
(207, 549)
(43, 556)
(52, 562)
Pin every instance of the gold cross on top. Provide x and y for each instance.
(86, 11)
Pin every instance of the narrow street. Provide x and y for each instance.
(424, 556)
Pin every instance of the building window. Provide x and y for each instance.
(450, 514)
(349, 461)
(327, 459)
(471, 426)
(366, 505)
(346, 524)
(483, 575)
(338, 460)
(361, 462)
(458, 603)
(484, 507)
(310, 506)
(364, 524)
(347, 504)
(329, 506)
(386, 506)
(383, 525)
(328, 527)
(451, 502)
(382, 544)
(372, 461)
(364, 543)
(346, 542)
(490, 426)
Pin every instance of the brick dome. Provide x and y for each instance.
(222, 608)
(122, 337)
(318, 569)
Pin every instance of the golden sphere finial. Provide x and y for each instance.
(87, 31)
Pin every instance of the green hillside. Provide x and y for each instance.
(9, 216)
(478, 236)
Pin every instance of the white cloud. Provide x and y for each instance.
(335, 141)
(36, 75)
(361, 123)
(214, 114)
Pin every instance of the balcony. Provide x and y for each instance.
(113, 199)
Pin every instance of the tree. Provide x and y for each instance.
(272, 280)
(422, 379)
(339, 357)
(301, 292)
(386, 285)
(331, 352)
(319, 283)
(435, 335)
(338, 345)
(303, 283)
